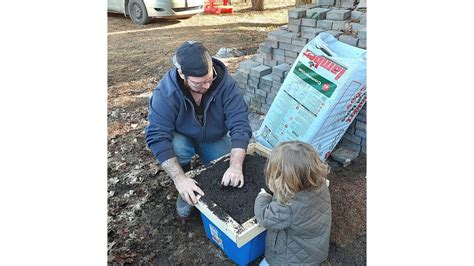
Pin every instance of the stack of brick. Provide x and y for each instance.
(261, 77)
(355, 136)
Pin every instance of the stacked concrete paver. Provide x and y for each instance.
(261, 77)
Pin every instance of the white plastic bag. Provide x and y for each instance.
(322, 94)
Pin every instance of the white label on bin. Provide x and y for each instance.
(215, 236)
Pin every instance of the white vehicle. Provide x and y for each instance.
(140, 11)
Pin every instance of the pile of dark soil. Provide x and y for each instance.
(237, 202)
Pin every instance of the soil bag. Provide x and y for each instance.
(321, 95)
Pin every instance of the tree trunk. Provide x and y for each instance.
(257, 5)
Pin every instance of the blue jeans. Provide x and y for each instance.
(185, 148)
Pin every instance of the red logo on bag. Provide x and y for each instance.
(331, 66)
(326, 87)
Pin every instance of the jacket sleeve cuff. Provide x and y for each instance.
(164, 156)
(240, 144)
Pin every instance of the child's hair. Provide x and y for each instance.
(294, 166)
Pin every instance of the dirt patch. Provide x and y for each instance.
(141, 217)
(237, 202)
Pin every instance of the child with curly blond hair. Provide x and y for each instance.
(298, 215)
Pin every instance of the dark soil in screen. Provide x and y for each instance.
(237, 202)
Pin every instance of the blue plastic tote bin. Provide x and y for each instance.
(242, 243)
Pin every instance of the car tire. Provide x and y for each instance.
(137, 12)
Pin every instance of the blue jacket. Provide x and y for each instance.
(171, 111)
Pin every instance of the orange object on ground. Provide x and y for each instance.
(213, 8)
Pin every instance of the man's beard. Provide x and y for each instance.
(186, 85)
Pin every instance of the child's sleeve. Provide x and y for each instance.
(271, 214)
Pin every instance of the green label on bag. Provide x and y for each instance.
(316, 81)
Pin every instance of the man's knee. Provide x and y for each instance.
(183, 148)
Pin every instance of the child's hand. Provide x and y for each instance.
(263, 191)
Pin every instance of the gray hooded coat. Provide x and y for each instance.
(297, 232)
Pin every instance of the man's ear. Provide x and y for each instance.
(181, 74)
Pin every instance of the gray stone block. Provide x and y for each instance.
(278, 52)
(362, 34)
(277, 85)
(349, 40)
(309, 22)
(285, 46)
(252, 84)
(269, 62)
(265, 55)
(241, 77)
(247, 98)
(260, 71)
(297, 49)
(265, 48)
(258, 58)
(294, 28)
(352, 138)
(290, 60)
(356, 14)
(254, 79)
(362, 44)
(278, 79)
(250, 89)
(261, 92)
(266, 107)
(361, 134)
(338, 14)
(351, 129)
(273, 93)
(277, 32)
(363, 19)
(344, 155)
(341, 25)
(335, 33)
(356, 27)
(296, 13)
(360, 126)
(364, 147)
(292, 54)
(317, 13)
(254, 104)
(348, 3)
(299, 41)
(266, 88)
(361, 117)
(325, 24)
(245, 66)
(280, 70)
(350, 145)
(272, 42)
(294, 21)
(325, 2)
(308, 35)
(260, 98)
(311, 30)
(266, 80)
(285, 38)
(279, 57)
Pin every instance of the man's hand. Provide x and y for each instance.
(186, 187)
(233, 176)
